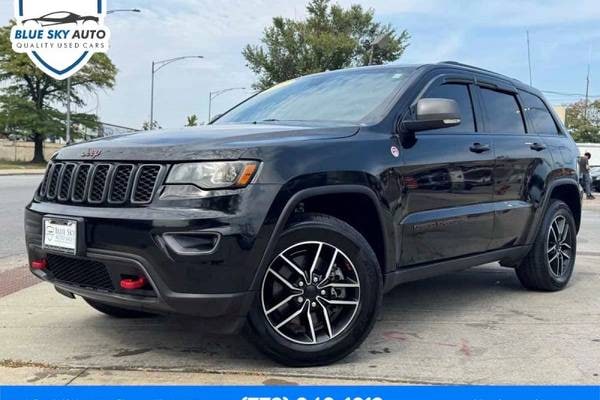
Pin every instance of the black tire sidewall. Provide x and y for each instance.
(345, 238)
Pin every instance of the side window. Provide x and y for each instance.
(503, 114)
(537, 113)
(461, 94)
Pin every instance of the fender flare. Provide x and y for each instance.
(313, 192)
(537, 222)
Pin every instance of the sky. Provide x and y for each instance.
(564, 37)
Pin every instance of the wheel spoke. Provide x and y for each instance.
(314, 263)
(294, 267)
(281, 303)
(329, 268)
(339, 285)
(285, 281)
(310, 325)
(565, 232)
(326, 318)
(554, 232)
(565, 255)
(291, 317)
(553, 258)
(340, 302)
(551, 249)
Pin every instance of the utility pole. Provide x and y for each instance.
(529, 60)
(587, 86)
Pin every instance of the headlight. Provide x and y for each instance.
(213, 175)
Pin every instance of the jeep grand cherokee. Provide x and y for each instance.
(294, 212)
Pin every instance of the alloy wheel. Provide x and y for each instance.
(310, 293)
(559, 247)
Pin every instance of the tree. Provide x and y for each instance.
(147, 126)
(30, 101)
(330, 38)
(584, 128)
(192, 120)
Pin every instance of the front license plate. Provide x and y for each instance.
(60, 234)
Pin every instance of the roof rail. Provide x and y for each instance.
(468, 66)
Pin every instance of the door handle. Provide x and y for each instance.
(536, 146)
(479, 148)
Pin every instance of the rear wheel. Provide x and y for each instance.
(117, 312)
(319, 296)
(550, 263)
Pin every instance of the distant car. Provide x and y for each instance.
(595, 173)
(61, 17)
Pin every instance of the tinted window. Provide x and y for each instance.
(459, 93)
(503, 114)
(345, 95)
(537, 112)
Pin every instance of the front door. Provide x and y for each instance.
(448, 182)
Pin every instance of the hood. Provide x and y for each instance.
(209, 142)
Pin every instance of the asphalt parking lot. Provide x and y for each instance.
(477, 326)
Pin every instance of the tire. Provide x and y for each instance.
(340, 317)
(117, 312)
(540, 270)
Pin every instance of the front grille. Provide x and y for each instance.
(101, 183)
(80, 272)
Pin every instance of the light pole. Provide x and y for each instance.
(157, 66)
(135, 10)
(380, 41)
(217, 93)
(68, 133)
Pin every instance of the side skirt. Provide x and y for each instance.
(424, 271)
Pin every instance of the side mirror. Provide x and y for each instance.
(433, 114)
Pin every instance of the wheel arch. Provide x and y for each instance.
(566, 190)
(312, 197)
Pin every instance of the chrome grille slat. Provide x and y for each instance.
(101, 183)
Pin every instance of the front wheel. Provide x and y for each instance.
(550, 263)
(320, 294)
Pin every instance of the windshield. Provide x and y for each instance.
(344, 96)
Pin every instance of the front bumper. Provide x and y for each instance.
(214, 285)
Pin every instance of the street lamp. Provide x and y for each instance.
(217, 93)
(157, 66)
(380, 41)
(68, 133)
(136, 10)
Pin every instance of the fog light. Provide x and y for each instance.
(42, 263)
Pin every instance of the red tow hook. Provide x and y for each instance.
(42, 263)
(133, 284)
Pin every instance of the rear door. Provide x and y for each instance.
(519, 156)
(448, 183)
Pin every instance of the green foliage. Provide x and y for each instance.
(31, 100)
(584, 128)
(147, 126)
(192, 120)
(330, 38)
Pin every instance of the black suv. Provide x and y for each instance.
(294, 212)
